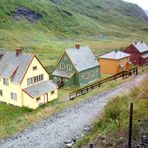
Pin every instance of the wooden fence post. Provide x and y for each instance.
(130, 125)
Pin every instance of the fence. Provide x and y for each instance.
(87, 89)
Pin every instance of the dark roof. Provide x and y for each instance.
(82, 58)
(116, 55)
(140, 46)
(40, 89)
(62, 73)
(14, 67)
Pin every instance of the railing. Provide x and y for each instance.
(87, 89)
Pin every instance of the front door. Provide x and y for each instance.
(46, 98)
(62, 81)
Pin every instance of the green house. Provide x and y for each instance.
(77, 66)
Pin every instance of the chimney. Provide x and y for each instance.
(116, 50)
(77, 46)
(18, 51)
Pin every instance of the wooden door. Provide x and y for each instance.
(46, 98)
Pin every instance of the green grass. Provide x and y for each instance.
(14, 119)
(101, 28)
(116, 117)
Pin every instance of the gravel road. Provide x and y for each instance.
(68, 124)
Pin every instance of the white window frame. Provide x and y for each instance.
(69, 67)
(13, 96)
(1, 92)
(35, 79)
(62, 66)
(86, 76)
(6, 81)
(34, 68)
(53, 92)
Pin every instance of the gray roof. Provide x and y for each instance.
(41, 88)
(116, 55)
(14, 66)
(62, 73)
(82, 58)
(141, 46)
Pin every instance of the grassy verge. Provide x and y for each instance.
(14, 119)
(113, 124)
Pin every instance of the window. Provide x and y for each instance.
(35, 79)
(53, 92)
(38, 99)
(86, 76)
(92, 74)
(40, 77)
(5, 81)
(13, 96)
(62, 66)
(34, 68)
(69, 67)
(1, 93)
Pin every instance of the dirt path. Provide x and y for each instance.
(53, 131)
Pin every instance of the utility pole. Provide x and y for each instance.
(130, 125)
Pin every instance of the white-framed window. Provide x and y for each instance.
(1, 93)
(35, 79)
(69, 67)
(53, 92)
(92, 74)
(38, 99)
(86, 76)
(62, 66)
(5, 81)
(13, 96)
(34, 68)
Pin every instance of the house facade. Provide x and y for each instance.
(138, 52)
(114, 62)
(77, 66)
(23, 80)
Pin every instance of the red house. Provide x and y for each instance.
(138, 52)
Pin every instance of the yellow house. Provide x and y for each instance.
(24, 82)
(114, 62)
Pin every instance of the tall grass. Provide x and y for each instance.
(116, 116)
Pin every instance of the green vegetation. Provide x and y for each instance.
(113, 124)
(102, 24)
(14, 119)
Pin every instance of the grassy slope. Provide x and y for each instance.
(117, 109)
(100, 24)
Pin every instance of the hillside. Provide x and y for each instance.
(146, 11)
(52, 25)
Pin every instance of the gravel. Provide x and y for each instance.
(68, 124)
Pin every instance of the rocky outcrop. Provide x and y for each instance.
(26, 13)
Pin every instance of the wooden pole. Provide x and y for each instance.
(130, 125)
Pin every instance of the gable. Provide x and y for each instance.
(132, 49)
(82, 58)
(66, 61)
(35, 68)
(14, 67)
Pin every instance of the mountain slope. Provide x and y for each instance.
(71, 16)
(146, 11)
(55, 24)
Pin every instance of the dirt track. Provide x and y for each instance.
(53, 131)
